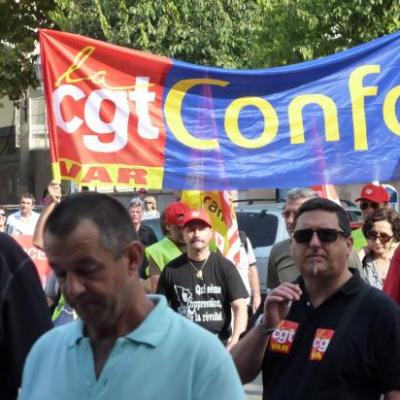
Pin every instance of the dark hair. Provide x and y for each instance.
(28, 196)
(321, 204)
(383, 214)
(163, 223)
(108, 214)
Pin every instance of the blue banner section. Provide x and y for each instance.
(334, 120)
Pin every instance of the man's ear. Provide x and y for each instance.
(350, 244)
(135, 256)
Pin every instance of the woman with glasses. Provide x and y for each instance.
(150, 207)
(2, 219)
(382, 231)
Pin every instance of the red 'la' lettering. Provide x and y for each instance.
(138, 176)
(96, 174)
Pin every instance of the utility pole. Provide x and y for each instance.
(23, 184)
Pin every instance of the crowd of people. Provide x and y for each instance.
(122, 306)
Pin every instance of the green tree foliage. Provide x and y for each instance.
(225, 33)
(300, 30)
(218, 32)
(19, 21)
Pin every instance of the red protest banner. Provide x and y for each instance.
(104, 110)
(38, 256)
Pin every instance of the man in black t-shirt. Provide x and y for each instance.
(146, 235)
(330, 336)
(204, 286)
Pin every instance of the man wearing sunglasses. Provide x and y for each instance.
(329, 335)
(371, 198)
(281, 266)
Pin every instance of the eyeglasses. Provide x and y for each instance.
(382, 236)
(365, 204)
(325, 235)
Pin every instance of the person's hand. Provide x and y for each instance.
(278, 302)
(53, 195)
(54, 192)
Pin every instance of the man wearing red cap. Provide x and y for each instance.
(171, 246)
(204, 286)
(371, 198)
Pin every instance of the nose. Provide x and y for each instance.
(289, 220)
(73, 286)
(315, 240)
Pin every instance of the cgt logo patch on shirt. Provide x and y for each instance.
(281, 340)
(320, 344)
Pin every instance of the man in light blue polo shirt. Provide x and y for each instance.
(126, 345)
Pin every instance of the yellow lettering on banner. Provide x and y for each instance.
(232, 122)
(389, 110)
(111, 174)
(296, 122)
(173, 113)
(357, 94)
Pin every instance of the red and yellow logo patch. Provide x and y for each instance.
(320, 344)
(283, 337)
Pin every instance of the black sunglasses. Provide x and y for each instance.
(325, 235)
(382, 236)
(365, 204)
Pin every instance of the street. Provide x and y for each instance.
(254, 389)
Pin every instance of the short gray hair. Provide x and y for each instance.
(301, 193)
(136, 202)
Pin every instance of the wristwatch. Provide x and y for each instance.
(261, 328)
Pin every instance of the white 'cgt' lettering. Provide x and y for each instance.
(119, 124)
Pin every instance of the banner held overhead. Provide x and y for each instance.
(123, 117)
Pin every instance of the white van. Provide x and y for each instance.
(265, 226)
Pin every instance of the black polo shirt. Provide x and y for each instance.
(364, 362)
(147, 237)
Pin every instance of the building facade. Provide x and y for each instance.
(24, 154)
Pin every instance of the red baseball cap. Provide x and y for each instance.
(197, 215)
(175, 213)
(374, 193)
